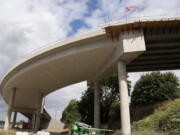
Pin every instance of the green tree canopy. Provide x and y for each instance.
(109, 97)
(153, 88)
(86, 106)
(71, 113)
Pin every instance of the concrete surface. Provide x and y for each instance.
(97, 116)
(55, 124)
(23, 133)
(124, 99)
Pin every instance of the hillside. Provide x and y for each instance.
(164, 121)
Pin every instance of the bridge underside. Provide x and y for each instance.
(162, 39)
(162, 53)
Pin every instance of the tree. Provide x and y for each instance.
(109, 96)
(86, 106)
(70, 113)
(153, 88)
(109, 102)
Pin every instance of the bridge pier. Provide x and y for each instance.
(14, 119)
(38, 113)
(132, 44)
(33, 121)
(97, 119)
(124, 102)
(10, 108)
(38, 117)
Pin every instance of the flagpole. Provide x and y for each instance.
(129, 9)
(126, 17)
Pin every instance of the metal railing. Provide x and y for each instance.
(126, 20)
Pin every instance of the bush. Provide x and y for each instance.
(117, 132)
(154, 87)
(147, 132)
(171, 122)
(177, 93)
(138, 113)
(171, 126)
(114, 116)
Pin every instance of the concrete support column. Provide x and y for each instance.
(38, 118)
(33, 121)
(124, 102)
(10, 108)
(38, 115)
(97, 119)
(14, 119)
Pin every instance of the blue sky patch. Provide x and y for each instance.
(92, 5)
(76, 25)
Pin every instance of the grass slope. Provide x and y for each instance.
(168, 113)
(169, 110)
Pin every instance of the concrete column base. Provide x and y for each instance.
(8, 118)
(14, 120)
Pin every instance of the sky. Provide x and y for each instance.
(28, 25)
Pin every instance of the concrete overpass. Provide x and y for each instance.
(142, 45)
(30, 114)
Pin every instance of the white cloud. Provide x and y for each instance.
(35, 23)
(115, 10)
(58, 100)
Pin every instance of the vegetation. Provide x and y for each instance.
(164, 121)
(143, 132)
(1, 122)
(154, 88)
(86, 106)
(165, 118)
(70, 113)
(177, 93)
(109, 102)
(153, 108)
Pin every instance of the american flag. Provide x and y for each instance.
(130, 8)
